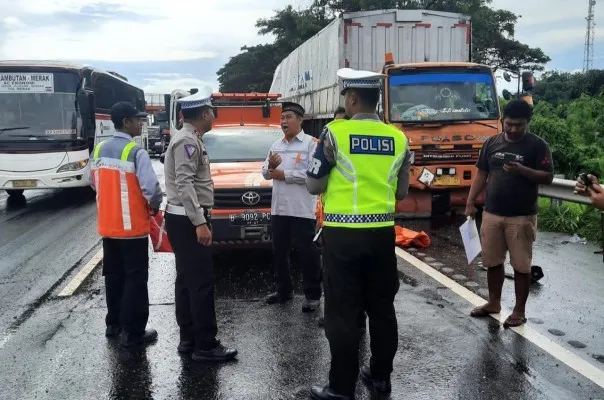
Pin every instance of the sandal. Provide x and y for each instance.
(512, 322)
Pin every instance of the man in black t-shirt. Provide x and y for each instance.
(511, 166)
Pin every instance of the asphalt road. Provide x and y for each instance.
(43, 237)
(54, 348)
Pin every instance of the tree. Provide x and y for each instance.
(252, 70)
(558, 87)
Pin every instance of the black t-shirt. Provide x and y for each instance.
(510, 194)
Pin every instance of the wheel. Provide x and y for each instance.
(15, 192)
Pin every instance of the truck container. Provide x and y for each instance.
(360, 40)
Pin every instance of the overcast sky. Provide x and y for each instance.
(162, 45)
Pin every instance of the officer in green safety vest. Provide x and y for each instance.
(361, 166)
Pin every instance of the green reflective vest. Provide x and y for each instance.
(361, 187)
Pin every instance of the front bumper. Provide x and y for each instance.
(45, 179)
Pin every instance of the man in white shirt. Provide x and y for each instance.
(293, 209)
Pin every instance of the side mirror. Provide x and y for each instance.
(506, 94)
(507, 76)
(162, 158)
(528, 81)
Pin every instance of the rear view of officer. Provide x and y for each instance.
(190, 192)
(362, 167)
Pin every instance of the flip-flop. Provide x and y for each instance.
(480, 312)
(517, 322)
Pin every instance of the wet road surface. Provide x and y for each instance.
(565, 305)
(43, 236)
(61, 353)
(58, 349)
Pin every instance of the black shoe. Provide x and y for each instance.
(382, 386)
(149, 336)
(310, 305)
(326, 393)
(278, 298)
(218, 353)
(186, 346)
(113, 330)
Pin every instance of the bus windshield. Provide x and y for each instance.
(452, 95)
(38, 105)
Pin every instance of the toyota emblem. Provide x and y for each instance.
(250, 198)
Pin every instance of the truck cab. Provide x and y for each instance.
(447, 110)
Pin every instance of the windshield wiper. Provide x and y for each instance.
(16, 128)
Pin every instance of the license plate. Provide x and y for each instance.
(446, 181)
(25, 184)
(250, 218)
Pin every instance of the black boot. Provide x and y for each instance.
(129, 340)
(218, 353)
(382, 386)
(326, 393)
(278, 298)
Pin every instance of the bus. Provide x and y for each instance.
(52, 114)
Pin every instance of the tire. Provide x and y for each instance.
(15, 192)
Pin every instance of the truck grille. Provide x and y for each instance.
(233, 198)
(459, 157)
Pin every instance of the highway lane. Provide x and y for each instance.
(42, 238)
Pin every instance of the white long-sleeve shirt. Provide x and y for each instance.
(290, 197)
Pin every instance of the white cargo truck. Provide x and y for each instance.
(361, 40)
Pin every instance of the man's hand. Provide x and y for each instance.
(596, 195)
(514, 167)
(277, 174)
(274, 160)
(581, 188)
(204, 235)
(471, 210)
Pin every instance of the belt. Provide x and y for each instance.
(180, 210)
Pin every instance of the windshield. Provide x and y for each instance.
(442, 96)
(41, 105)
(240, 144)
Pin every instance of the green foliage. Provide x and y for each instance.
(493, 40)
(575, 132)
(563, 87)
(570, 218)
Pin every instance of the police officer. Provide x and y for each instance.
(190, 197)
(362, 167)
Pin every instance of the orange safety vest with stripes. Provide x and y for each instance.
(123, 211)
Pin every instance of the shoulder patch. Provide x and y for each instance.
(376, 145)
(190, 150)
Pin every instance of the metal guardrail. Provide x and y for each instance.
(562, 189)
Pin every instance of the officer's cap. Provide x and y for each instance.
(293, 107)
(357, 79)
(198, 99)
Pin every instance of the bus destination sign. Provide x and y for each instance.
(26, 83)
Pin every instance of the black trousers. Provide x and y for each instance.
(194, 292)
(359, 274)
(126, 272)
(301, 232)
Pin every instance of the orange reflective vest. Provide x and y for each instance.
(123, 211)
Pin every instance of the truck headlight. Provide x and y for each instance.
(74, 166)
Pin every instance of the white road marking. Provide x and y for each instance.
(4, 339)
(77, 280)
(588, 370)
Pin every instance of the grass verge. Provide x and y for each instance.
(570, 218)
